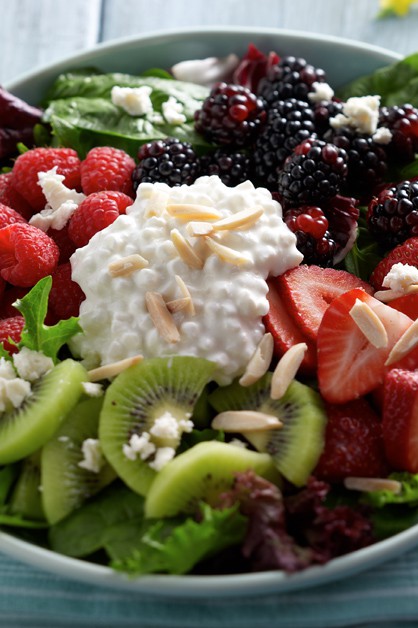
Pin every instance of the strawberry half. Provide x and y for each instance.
(349, 366)
(405, 253)
(407, 304)
(400, 419)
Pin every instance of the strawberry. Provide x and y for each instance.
(349, 366)
(353, 443)
(308, 290)
(405, 253)
(407, 304)
(400, 419)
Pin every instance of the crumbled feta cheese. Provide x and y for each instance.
(61, 201)
(31, 365)
(321, 91)
(13, 392)
(186, 426)
(156, 118)
(162, 457)
(165, 426)
(400, 277)
(383, 135)
(135, 101)
(6, 369)
(360, 113)
(172, 111)
(93, 459)
(92, 389)
(205, 71)
(139, 445)
(63, 439)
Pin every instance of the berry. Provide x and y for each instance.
(231, 114)
(10, 296)
(405, 253)
(290, 78)
(353, 443)
(288, 123)
(232, 167)
(407, 304)
(11, 328)
(29, 164)
(63, 242)
(27, 254)
(403, 123)
(8, 216)
(167, 161)
(392, 216)
(66, 295)
(312, 174)
(313, 239)
(96, 212)
(253, 67)
(107, 168)
(10, 197)
(323, 111)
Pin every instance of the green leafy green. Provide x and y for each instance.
(365, 253)
(7, 477)
(393, 520)
(407, 495)
(15, 521)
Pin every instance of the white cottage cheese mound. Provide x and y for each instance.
(229, 300)
(400, 277)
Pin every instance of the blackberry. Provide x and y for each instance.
(312, 174)
(230, 115)
(392, 216)
(290, 78)
(289, 122)
(168, 161)
(313, 239)
(232, 167)
(323, 112)
(403, 123)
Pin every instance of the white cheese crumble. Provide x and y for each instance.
(93, 389)
(320, 92)
(139, 445)
(400, 277)
(173, 111)
(360, 113)
(162, 457)
(205, 71)
(6, 369)
(13, 393)
(383, 135)
(31, 365)
(135, 101)
(93, 459)
(165, 426)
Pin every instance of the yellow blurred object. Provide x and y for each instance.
(395, 7)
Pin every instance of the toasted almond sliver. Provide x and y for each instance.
(185, 211)
(286, 369)
(185, 250)
(385, 296)
(259, 362)
(110, 370)
(161, 317)
(197, 229)
(127, 265)
(245, 421)
(226, 254)
(369, 324)
(372, 484)
(186, 294)
(411, 289)
(243, 219)
(405, 344)
(177, 305)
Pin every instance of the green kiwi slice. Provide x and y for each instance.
(202, 473)
(25, 499)
(66, 485)
(297, 446)
(28, 428)
(137, 398)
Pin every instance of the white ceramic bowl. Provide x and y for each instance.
(343, 60)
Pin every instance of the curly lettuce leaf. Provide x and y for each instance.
(407, 495)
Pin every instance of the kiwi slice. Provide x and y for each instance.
(28, 428)
(297, 446)
(202, 473)
(140, 395)
(25, 499)
(66, 485)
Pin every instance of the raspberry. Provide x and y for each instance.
(63, 242)
(392, 216)
(27, 166)
(403, 123)
(66, 295)
(96, 212)
(290, 78)
(10, 296)
(405, 253)
(231, 114)
(10, 197)
(232, 167)
(313, 238)
(107, 168)
(11, 328)
(27, 254)
(8, 216)
(167, 161)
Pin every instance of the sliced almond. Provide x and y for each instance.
(260, 361)
(411, 289)
(186, 294)
(161, 317)
(405, 344)
(185, 211)
(185, 250)
(198, 229)
(369, 324)
(286, 369)
(385, 296)
(245, 421)
(226, 254)
(156, 203)
(372, 484)
(127, 265)
(111, 370)
(177, 305)
(243, 219)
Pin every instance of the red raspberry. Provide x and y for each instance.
(27, 254)
(10, 197)
(11, 294)
(96, 212)
(11, 328)
(27, 166)
(8, 216)
(107, 168)
(64, 243)
(66, 295)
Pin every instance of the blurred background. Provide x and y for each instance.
(38, 33)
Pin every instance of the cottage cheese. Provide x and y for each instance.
(400, 277)
(229, 300)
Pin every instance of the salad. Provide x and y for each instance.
(208, 315)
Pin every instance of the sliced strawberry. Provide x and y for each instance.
(349, 366)
(308, 290)
(400, 419)
(284, 331)
(405, 253)
(407, 304)
(353, 443)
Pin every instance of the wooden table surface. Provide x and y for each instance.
(37, 33)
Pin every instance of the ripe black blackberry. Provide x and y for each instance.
(230, 115)
(323, 111)
(312, 174)
(291, 78)
(392, 216)
(167, 161)
(289, 122)
(403, 124)
(232, 167)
